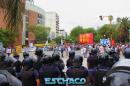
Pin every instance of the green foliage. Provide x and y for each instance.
(106, 31)
(13, 11)
(53, 42)
(89, 30)
(97, 38)
(58, 39)
(69, 39)
(6, 37)
(122, 27)
(41, 32)
(75, 32)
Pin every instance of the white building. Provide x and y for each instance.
(52, 21)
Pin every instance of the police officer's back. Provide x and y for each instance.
(48, 70)
(77, 70)
(39, 54)
(28, 74)
(101, 69)
(119, 75)
(70, 60)
(58, 62)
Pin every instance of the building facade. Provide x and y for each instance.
(52, 21)
(33, 16)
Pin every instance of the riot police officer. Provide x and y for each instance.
(17, 66)
(77, 70)
(29, 75)
(58, 62)
(69, 61)
(48, 70)
(3, 80)
(127, 53)
(119, 75)
(92, 60)
(9, 61)
(2, 58)
(40, 55)
(25, 56)
(101, 69)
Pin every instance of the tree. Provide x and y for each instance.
(5, 36)
(123, 29)
(41, 32)
(75, 32)
(89, 30)
(58, 39)
(106, 31)
(13, 11)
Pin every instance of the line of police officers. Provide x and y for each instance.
(31, 72)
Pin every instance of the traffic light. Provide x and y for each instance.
(101, 18)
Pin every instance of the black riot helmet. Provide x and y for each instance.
(25, 54)
(47, 60)
(111, 52)
(29, 62)
(56, 56)
(94, 51)
(78, 59)
(39, 52)
(71, 54)
(103, 59)
(127, 53)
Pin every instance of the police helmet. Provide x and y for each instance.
(3, 80)
(29, 62)
(47, 59)
(10, 60)
(127, 53)
(111, 52)
(39, 52)
(78, 59)
(119, 75)
(94, 51)
(56, 56)
(103, 59)
(71, 54)
(25, 54)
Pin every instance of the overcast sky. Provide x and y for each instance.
(85, 12)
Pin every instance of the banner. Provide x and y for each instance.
(112, 42)
(104, 42)
(86, 38)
